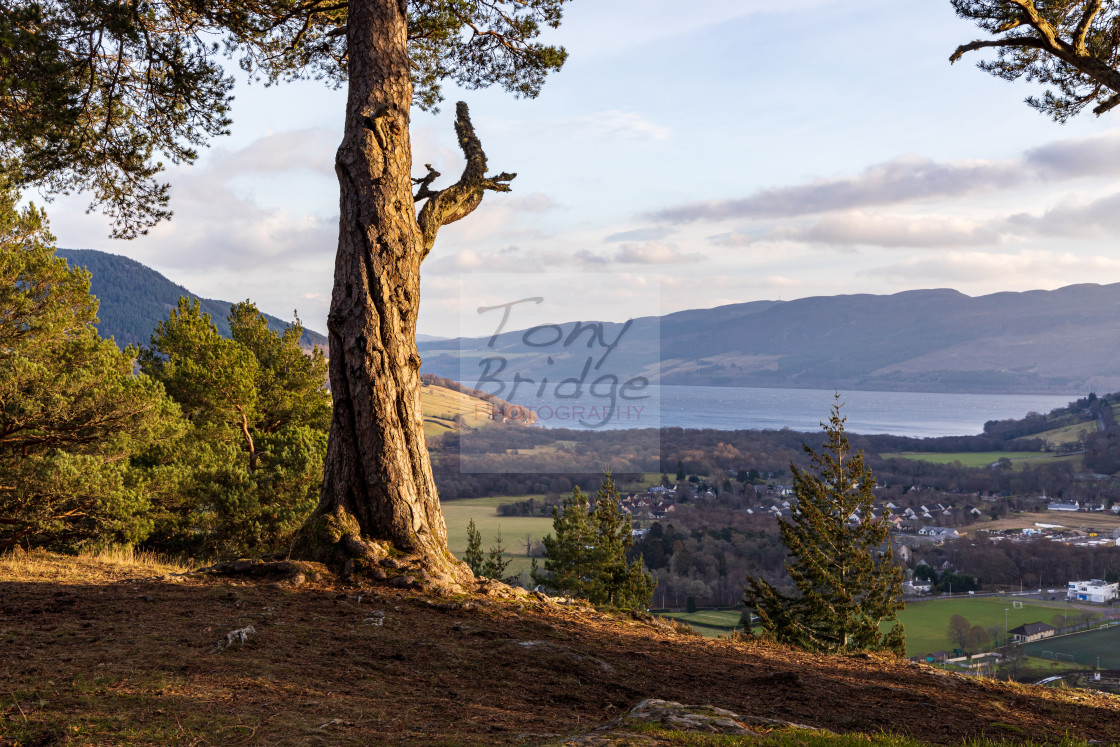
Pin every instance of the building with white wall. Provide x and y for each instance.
(1095, 590)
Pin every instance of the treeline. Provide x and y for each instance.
(1037, 563)
(1081, 410)
(512, 460)
(705, 555)
(200, 443)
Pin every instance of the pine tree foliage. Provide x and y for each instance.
(72, 413)
(473, 556)
(587, 556)
(568, 551)
(615, 580)
(841, 561)
(95, 94)
(496, 561)
(247, 473)
(1071, 45)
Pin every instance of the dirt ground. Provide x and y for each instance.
(91, 655)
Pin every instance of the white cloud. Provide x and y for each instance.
(654, 253)
(1029, 268)
(612, 124)
(911, 178)
(858, 228)
(649, 233)
(1072, 218)
(1095, 155)
(900, 180)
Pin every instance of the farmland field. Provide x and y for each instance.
(484, 511)
(1070, 434)
(967, 459)
(1081, 648)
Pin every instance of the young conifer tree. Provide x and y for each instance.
(841, 560)
(615, 581)
(496, 561)
(587, 556)
(473, 556)
(567, 553)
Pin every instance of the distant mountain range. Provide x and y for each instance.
(134, 298)
(1065, 341)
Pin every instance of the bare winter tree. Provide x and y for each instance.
(1071, 45)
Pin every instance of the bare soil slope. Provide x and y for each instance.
(91, 655)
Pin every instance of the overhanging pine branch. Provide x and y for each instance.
(1018, 41)
(461, 198)
(1111, 103)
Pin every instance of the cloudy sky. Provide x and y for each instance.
(746, 150)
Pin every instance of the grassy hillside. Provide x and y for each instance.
(441, 406)
(105, 651)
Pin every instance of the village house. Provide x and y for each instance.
(939, 533)
(1035, 631)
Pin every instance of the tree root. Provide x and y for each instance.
(334, 539)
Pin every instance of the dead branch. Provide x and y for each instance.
(461, 198)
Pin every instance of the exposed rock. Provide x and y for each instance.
(672, 716)
(667, 715)
(237, 637)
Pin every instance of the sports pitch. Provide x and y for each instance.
(1087, 649)
(926, 622)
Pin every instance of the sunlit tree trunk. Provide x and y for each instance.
(378, 490)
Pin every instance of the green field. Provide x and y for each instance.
(1070, 434)
(1081, 648)
(926, 623)
(967, 459)
(711, 623)
(485, 514)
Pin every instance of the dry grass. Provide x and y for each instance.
(112, 563)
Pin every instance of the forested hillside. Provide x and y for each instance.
(134, 298)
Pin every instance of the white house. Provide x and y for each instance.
(939, 532)
(1063, 506)
(1095, 590)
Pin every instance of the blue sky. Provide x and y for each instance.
(744, 150)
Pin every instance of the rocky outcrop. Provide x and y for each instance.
(670, 716)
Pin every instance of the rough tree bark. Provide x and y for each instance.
(378, 503)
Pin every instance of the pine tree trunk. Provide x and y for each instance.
(377, 472)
